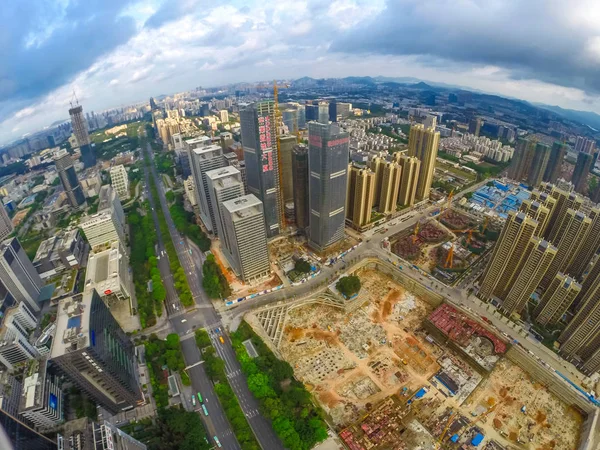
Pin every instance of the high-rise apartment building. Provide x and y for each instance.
(541, 157)
(120, 181)
(108, 224)
(537, 211)
(522, 160)
(223, 184)
(508, 253)
(92, 350)
(82, 137)
(203, 159)
(475, 126)
(323, 113)
(18, 275)
(564, 202)
(585, 145)
(589, 247)
(42, 399)
(557, 155)
(410, 167)
(259, 141)
(245, 237)
(423, 144)
(68, 177)
(577, 226)
(537, 258)
(300, 184)
(328, 155)
(377, 166)
(6, 226)
(360, 194)
(557, 299)
(286, 146)
(582, 171)
(390, 187)
(16, 326)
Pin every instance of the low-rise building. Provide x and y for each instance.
(62, 252)
(42, 400)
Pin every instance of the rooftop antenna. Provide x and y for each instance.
(74, 96)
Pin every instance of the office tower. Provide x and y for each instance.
(245, 237)
(301, 116)
(92, 350)
(224, 116)
(557, 299)
(153, 105)
(259, 141)
(475, 126)
(183, 159)
(22, 436)
(102, 435)
(286, 146)
(343, 110)
(410, 167)
(108, 224)
(120, 181)
(390, 186)
(333, 111)
(537, 257)
(80, 130)
(537, 211)
(6, 226)
(328, 155)
(588, 248)
(377, 167)
(581, 172)
(63, 251)
(508, 253)
(557, 222)
(17, 323)
(576, 229)
(323, 113)
(108, 272)
(300, 184)
(584, 145)
(223, 184)
(290, 119)
(18, 274)
(541, 157)
(522, 160)
(557, 155)
(42, 400)
(423, 144)
(311, 113)
(202, 160)
(430, 121)
(68, 177)
(360, 195)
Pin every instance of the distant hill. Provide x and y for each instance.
(591, 119)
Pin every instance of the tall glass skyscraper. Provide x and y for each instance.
(80, 130)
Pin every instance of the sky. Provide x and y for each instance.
(116, 52)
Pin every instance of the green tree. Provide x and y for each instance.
(302, 266)
(348, 286)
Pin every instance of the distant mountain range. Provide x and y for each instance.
(588, 118)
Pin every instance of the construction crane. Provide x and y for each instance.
(478, 419)
(415, 232)
(485, 224)
(74, 97)
(448, 205)
(449, 258)
(446, 428)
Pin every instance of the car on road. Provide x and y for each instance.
(183, 320)
(205, 410)
(200, 397)
(193, 400)
(217, 441)
(221, 339)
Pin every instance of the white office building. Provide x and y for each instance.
(108, 272)
(42, 399)
(223, 184)
(16, 326)
(120, 181)
(18, 275)
(108, 224)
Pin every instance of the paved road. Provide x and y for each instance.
(205, 316)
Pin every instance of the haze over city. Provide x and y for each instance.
(117, 52)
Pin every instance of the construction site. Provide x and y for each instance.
(393, 372)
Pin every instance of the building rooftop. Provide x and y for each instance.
(202, 140)
(33, 384)
(102, 271)
(207, 150)
(105, 197)
(244, 206)
(72, 324)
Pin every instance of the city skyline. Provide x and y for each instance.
(124, 67)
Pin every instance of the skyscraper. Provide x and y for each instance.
(42, 401)
(359, 198)
(541, 157)
(311, 113)
(475, 126)
(286, 145)
(328, 155)
(589, 247)
(80, 129)
(6, 226)
(577, 226)
(203, 159)
(557, 155)
(22, 436)
(585, 145)
(390, 186)
(522, 160)
(323, 113)
(17, 323)
(377, 166)
(537, 211)
(259, 141)
(68, 177)
(410, 167)
(108, 224)
(423, 143)
(120, 181)
(300, 183)
(581, 172)
(556, 300)
(557, 222)
(100, 435)
(245, 237)
(18, 274)
(92, 350)
(223, 184)
(537, 258)
(507, 256)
